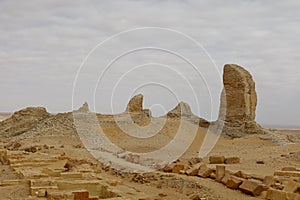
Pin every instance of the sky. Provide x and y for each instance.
(58, 54)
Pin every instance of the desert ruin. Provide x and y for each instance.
(42, 156)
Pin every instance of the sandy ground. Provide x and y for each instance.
(250, 150)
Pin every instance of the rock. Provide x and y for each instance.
(177, 168)
(291, 186)
(31, 149)
(204, 171)
(195, 197)
(3, 157)
(277, 186)
(238, 102)
(204, 123)
(162, 194)
(41, 193)
(135, 104)
(220, 172)
(22, 121)
(251, 187)
(216, 159)
(260, 162)
(280, 195)
(13, 146)
(181, 110)
(193, 170)
(287, 173)
(269, 180)
(168, 169)
(232, 160)
(233, 182)
(289, 169)
(133, 158)
(195, 160)
(225, 178)
(136, 111)
(242, 175)
(257, 177)
(84, 108)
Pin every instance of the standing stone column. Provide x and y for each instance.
(238, 102)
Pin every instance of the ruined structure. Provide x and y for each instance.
(84, 108)
(238, 102)
(136, 111)
(181, 110)
(23, 121)
(184, 110)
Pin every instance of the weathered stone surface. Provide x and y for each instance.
(22, 121)
(135, 104)
(3, 157)
(177, 168)
(195, 160)
(269, 180)
(242, 175)
(216, 159)
(233, 182)
(252, 188)
(204, 123)
(291, 186)
(232, 160)
(181, 110)
(220, 172)
(193, 171)
(135, 109)
(289, 169)
(84, 108)
(204, 171)
(238, 102)
(287, 173)
(280, 195)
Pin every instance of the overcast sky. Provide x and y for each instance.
(43, 43)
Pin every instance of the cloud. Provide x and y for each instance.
(43, 44)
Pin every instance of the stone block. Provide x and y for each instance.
(195, 160)
(241, 175)
(83, 195)
(287, 173)
(281, 195)
(193, 170)
(220, 172)
(204, 171)
(233, 182)
(289, 169)
(252, 188)
(291, 186)
(269, 180)
(216, 159)
(232, 160)
(177, 168)
(71, 175)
